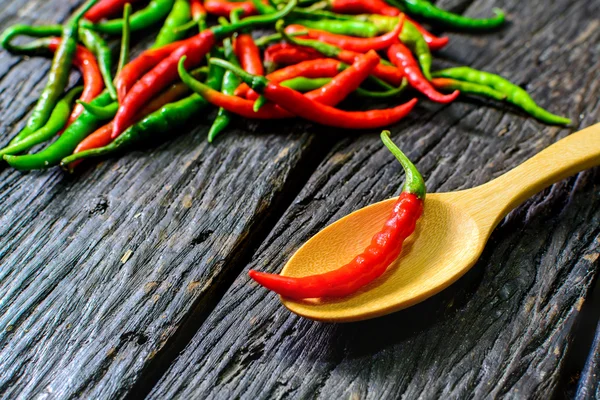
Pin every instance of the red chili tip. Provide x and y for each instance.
(438, 43)
(446, 98)
(282, 285)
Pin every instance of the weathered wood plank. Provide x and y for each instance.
(589, 384)
(504, 328)
(100, 271)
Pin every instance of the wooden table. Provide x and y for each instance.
(129, 278)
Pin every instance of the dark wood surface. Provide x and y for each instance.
(179, 316)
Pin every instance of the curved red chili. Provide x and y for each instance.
(287, 54)
(223, 8)
(385, 246)
(401, 56)
(346, 81)
(363, 7)
(360, 45)
(93, 84)
(434, 42)
(106, 8)
(197, 9)
(302, 106)
(132, 71)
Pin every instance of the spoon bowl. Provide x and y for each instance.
(447, 241)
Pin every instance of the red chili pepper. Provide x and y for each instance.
(100, 137)
(249, 54)
(300, 105)
(387, 73)
(287, 54)
(197, 10)
(321, 68)
(401, 56)
(385, 246)
(363, 7)
(93, 84)
(133, 70)
(434, 42)
(165, 72)
(223, 8)
(346, 81)
(106, 8)
(360, 45)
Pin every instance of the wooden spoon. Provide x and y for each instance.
(448, 240)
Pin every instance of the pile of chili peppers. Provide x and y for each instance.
(318, 54)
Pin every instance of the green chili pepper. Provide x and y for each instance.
(125, 38)
(303, 84)
(254, 21)
(275, 37)
(412, 38)
(161, 121)
(350, 28)
(514, 94)
(180, 14)
(98, 46)
(229, 84)
(156, 11)
(101, 113)
(65, 144)
(58, 76)
(263, 8)
(307, 13)
(383, 23)
(33, 31)
(468, 88)
(303, 13)
(89, 38)
(58, 119)
(425, 9)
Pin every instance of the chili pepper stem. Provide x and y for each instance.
(221, 30)
(125, 39)
(255, 82)
(414, 181)
(101, 113)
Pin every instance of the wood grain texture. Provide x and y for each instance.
(504, 329)
(101, 270)
(589, 384)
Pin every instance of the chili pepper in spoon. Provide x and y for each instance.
(384, 248)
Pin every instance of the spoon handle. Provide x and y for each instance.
(568, 156)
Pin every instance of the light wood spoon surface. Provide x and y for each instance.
(447, 242)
